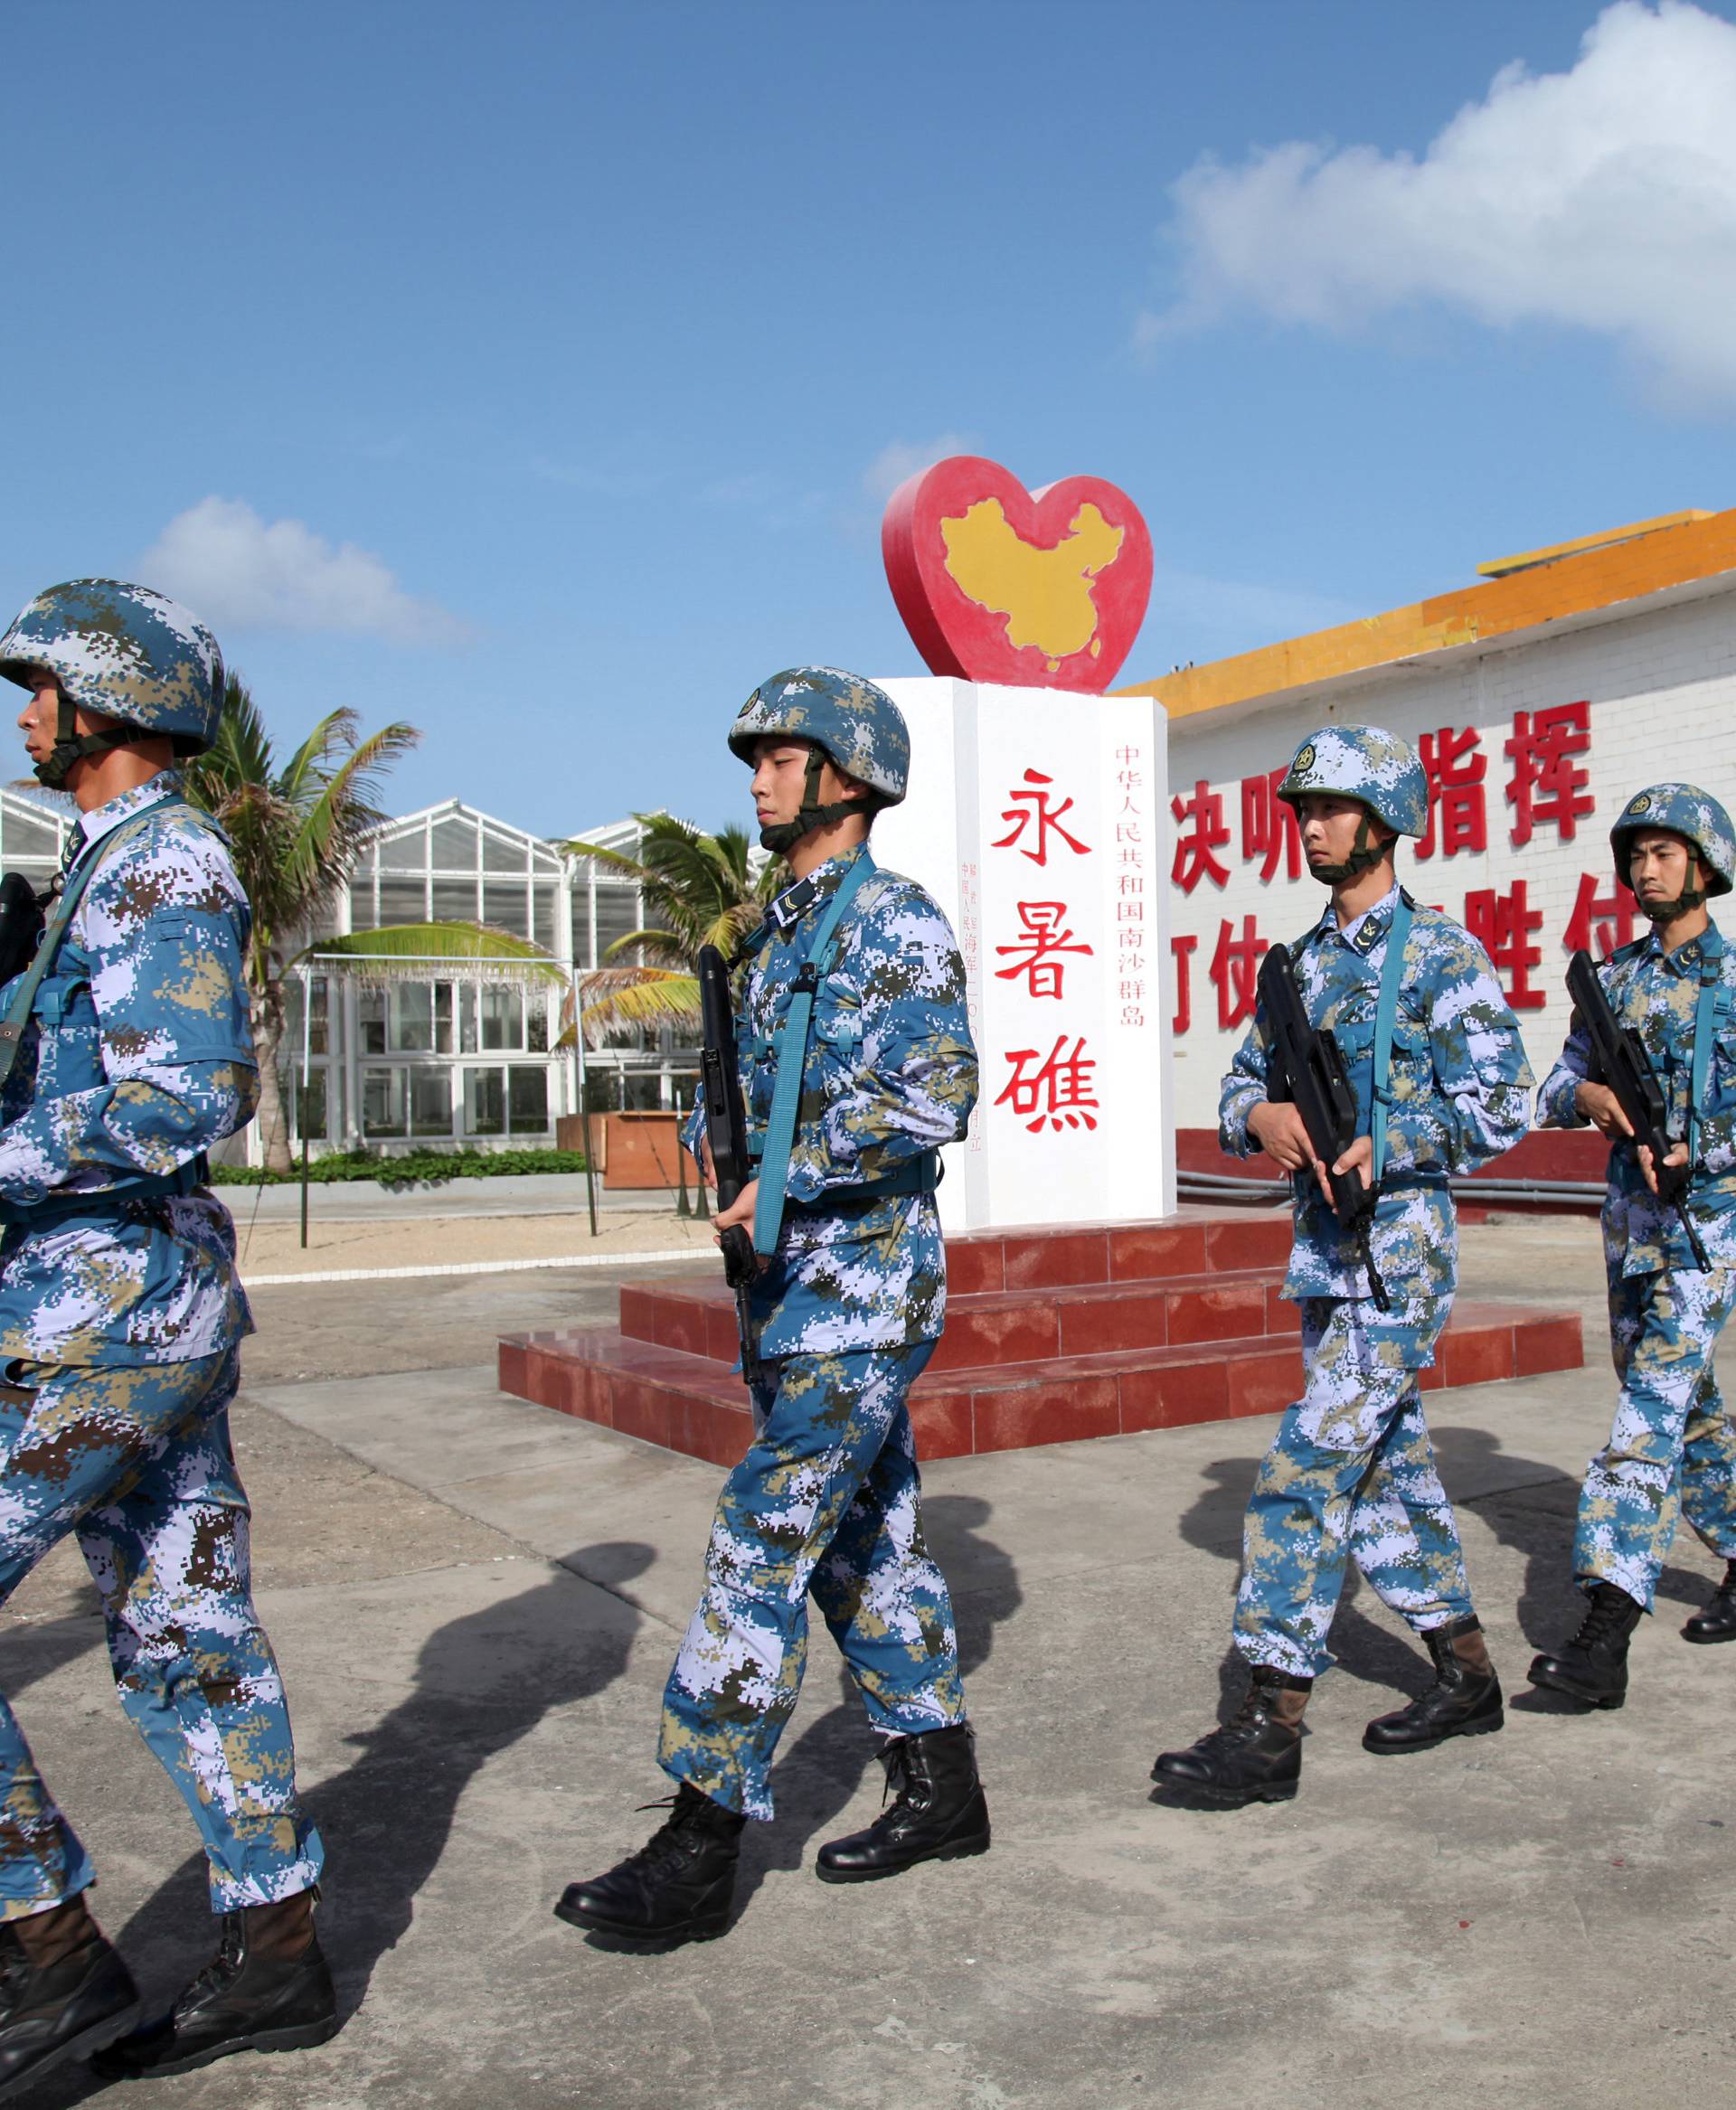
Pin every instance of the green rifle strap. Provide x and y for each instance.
(1712, 973)
(792, 1062)
(1386, 1016)
(24, 998)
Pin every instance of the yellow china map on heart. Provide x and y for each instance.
(1045, 595)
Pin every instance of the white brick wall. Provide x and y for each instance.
(1662, 690)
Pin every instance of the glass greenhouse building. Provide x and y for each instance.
(447, 1060)
(457, 1060)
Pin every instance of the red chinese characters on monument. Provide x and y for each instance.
(1040, 948)
(1058, 1091)
(1056, 1088)
(1030, 808)
(1130, 874)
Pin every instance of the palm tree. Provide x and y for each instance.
(296, 832)
(698, 890)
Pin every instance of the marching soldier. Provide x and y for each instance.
(845, 1132)
(127, 1052)
(1440, 1081)
(1673, 1445)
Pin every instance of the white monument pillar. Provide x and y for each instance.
(1036, 816)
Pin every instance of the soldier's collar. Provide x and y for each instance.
(1363, 932)
(1687, 956)
(789, 906)
(100, 819)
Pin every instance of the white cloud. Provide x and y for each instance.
(904, 457)
(1603, 199)
(237, 572)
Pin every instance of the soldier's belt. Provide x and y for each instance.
(107, 1200)
(920, 1176)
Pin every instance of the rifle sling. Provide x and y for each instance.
(792, 1062)
(1711, 966)
(1386, 1016)
(24, 998)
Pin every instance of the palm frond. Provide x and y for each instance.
(417, 952)
(614, 997)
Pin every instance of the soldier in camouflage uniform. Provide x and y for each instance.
(1352, 1470)
(844, 1318)
(121, 1319)
(1673, 1445)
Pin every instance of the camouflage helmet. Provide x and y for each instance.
(126, 651)
(1684, 810)
(857, 725)
(1365, 763)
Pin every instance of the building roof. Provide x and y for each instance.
(1648, 565)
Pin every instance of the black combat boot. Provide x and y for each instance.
(678, 1887)
(1716, 1618)
(64, 1993)
(1593, 1665)
(267, 1989)
(938, 1813)
(1255, 1758)
(1465, 1701)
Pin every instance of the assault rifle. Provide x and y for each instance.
(1618, 1059)
(1306, 1068)
(21, 924)
(726, 1133)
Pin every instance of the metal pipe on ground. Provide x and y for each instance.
(1229, 1187)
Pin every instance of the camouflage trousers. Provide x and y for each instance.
(825, 1505)
(1350, 1474)
(136, 1461)
(1673, 1448)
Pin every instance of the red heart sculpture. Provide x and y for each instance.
(1034, 588)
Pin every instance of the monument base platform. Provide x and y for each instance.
(1053, 1333)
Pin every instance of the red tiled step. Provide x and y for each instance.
(691, 1403)
(1049, 1257)
(1009, 1325)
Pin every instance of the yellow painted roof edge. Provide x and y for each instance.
(1600, 578)
(1499, 567)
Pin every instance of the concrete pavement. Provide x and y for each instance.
(475, 1602)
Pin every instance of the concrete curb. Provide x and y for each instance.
(472, 1267)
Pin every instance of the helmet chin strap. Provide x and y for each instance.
(1364, 854)
(71, 747)
(782, 836)
(1684, 904)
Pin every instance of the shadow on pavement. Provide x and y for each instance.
(819, 1775)
(482, 1682)
(29, 1654)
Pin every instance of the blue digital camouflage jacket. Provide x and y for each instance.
(1459, 1088)
(1658, 991)
(890, 1074)
(138, 1056)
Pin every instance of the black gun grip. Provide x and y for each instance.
(741, 1263)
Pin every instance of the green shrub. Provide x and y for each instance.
(416, 1168)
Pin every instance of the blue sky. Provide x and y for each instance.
(536, 372)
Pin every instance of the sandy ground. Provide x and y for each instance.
(420, 1241)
